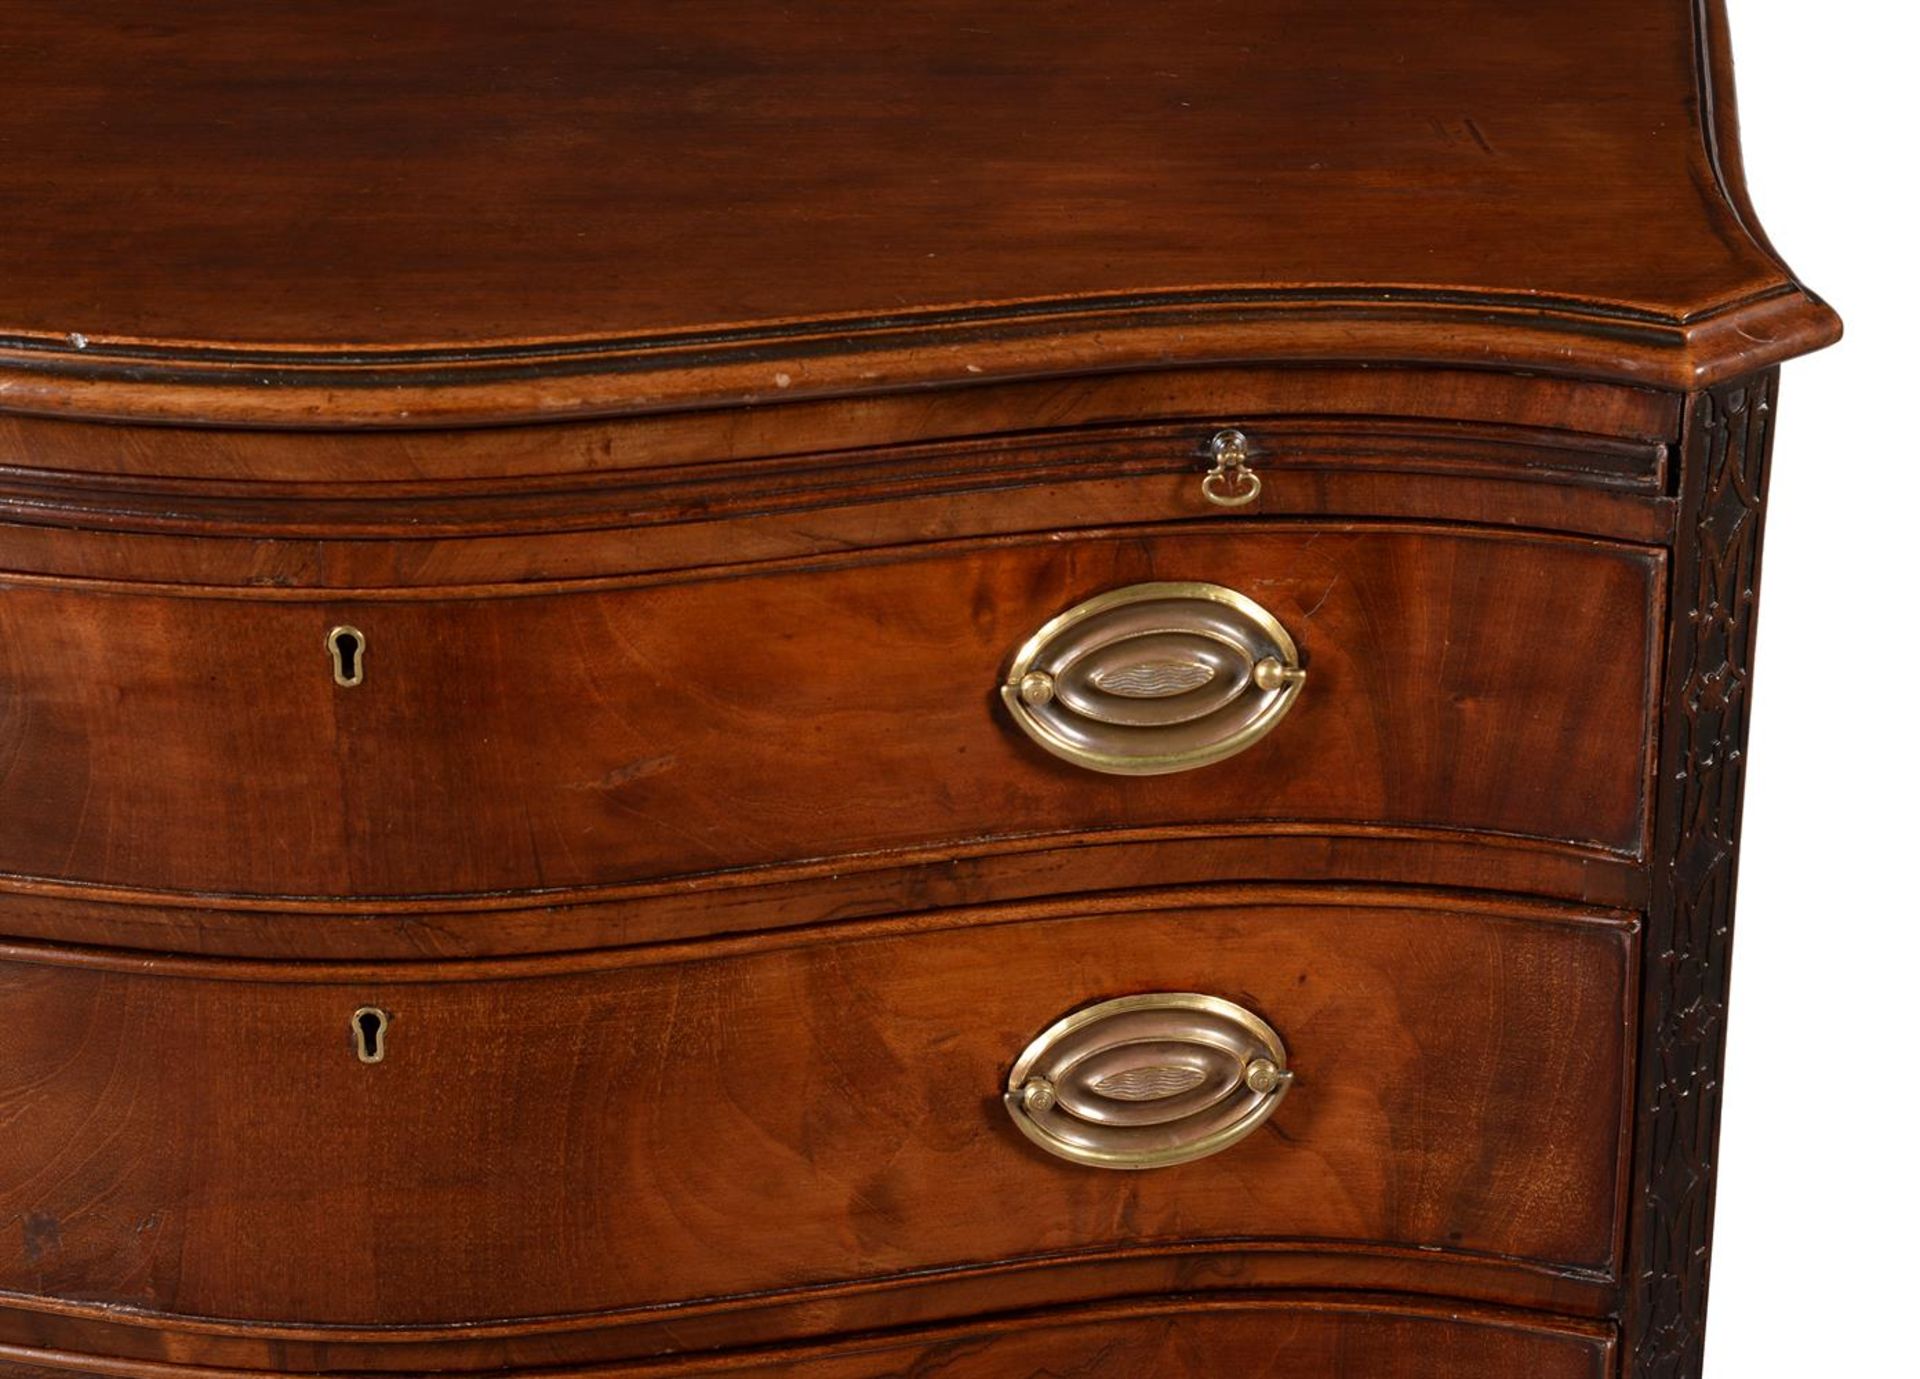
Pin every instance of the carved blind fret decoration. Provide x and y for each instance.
(1690, 925)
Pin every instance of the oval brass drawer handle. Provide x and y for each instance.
(1147, 1081)
(1154, 678)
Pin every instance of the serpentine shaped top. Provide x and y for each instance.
(468, 211)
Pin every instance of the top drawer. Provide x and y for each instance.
(578, 735)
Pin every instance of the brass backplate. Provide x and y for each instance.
(1154, 678)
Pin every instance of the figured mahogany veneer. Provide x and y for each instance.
(1315, 1337)
(711, 202)
(546, 740)
(617, 960)
(640, 1135)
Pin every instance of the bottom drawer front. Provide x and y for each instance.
(1294, 1339)
(1250, 1336)
(583, 1134)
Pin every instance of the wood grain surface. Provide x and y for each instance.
(510, 505)
(424, 210)
(693, 406)
(842, 896)
(578, 1135)
(551, 740)
(1003, 413)
(1301, 1337)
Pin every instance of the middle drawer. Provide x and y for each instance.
(1491, 684)
(584, 1134)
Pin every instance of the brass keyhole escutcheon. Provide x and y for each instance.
(348, 648)
(370, 1033)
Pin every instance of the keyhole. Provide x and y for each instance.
(348, 647)
(370, 1033)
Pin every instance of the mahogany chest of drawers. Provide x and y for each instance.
(980, 690)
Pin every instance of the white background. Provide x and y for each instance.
(1813, 1270)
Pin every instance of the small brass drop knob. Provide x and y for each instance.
(1036, 689)
(1262, 1075)
(1038, 1095)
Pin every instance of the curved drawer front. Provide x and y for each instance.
(1162, 1339)
(406, 745)
(1304, 1340)
(569, 1135)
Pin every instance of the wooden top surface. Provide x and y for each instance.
(410, 211)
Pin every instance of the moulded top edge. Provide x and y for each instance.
(255, 218)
